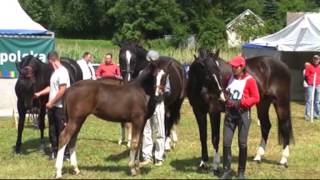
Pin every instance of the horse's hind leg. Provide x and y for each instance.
(73, 157)
(282, 106)
(215, 137)
(64, 139)
(265, 125)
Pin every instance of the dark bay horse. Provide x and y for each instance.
(273, 79)
(34, 75)
(132, 59)
(124, 125)
(132, 102)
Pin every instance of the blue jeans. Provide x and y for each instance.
(316, 105)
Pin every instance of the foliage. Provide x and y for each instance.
(152, 19)
(249, 28)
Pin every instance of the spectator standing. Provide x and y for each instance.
(86, 66)
(59, 82)
(312, 76)
(108, 68)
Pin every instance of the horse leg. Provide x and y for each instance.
(41, 125)
(22, 115)
(73, 157)
(129, 129)
(122, 134)
(282, 107)
(137, 131)
(64, 139)
(263, 115)
(201, 118)
(171, 119)
(215, 137)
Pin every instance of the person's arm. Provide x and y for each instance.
(117, 72)
(99, 72)
(61, 91)
(253, 97)
(44, 91)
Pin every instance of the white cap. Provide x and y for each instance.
(152, 55)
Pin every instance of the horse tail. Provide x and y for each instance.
(65, 106)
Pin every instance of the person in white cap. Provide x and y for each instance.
(154, 124)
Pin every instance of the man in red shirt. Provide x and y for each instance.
(243, 94)
(312, 77)
(108, 68)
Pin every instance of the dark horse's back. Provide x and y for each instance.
(274, 81)
(265, 69)
(73, 68)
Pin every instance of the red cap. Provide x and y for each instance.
(237, 61)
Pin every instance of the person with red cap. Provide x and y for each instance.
(242, 93)
(312, 77)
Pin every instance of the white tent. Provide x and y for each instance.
(19, 36)
(301, 35)
(14, 20)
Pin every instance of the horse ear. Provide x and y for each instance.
(217, 53)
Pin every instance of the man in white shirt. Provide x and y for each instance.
(59, 82)
(87, 69)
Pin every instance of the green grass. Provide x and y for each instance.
(99, 155)
(74, 48)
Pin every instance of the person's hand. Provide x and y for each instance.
(36, 95)
(232, 103)
(49, 105)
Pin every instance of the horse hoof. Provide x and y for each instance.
(285, 165)
(120, 142)
(257, 161)
(134, 172)
(76, 171)
(216, 172)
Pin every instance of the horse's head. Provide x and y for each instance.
(132, 59)
(211, 65)
(25, 86)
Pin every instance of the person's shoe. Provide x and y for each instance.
(158, 162)
(145, 162)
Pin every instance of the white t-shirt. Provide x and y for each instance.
(87, 69)
(59, 77)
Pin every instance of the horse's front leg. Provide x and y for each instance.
(137, 130)
(41, 119)
(22, 115)
(215, 126)
(265, 125)
(201, 118)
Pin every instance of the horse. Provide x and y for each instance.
(124, 125)
(34, 75)
(138, 101)
(132, 59)
(273, 79)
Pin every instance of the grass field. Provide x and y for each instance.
(99, 155)
(74, 48)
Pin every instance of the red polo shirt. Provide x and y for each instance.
(108, 70)
(310, 71)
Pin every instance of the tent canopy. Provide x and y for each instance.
(14, 20)
(301, 35)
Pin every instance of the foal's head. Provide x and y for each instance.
(132, 59)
